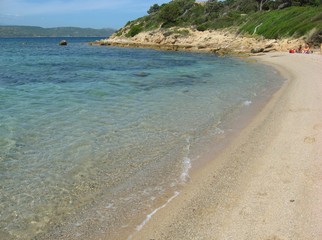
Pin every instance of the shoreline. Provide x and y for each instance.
(221, 42)
(261, 181)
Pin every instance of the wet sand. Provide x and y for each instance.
(267, 184)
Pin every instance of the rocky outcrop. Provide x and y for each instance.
(63, 43)
(187, 39)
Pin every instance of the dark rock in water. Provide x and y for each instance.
(188, 76)
(63, 43)
(142, 74)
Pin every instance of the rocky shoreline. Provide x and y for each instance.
(221, 42)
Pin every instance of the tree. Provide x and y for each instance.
(174, 9)
(213, 6)
(185, 4)
(153, 9)
(309, 2)
(170, 12)
(302, 2)
(245, 6)
(261, 4)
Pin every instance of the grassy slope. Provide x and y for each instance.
(289, 22)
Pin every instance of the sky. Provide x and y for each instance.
(73, 13)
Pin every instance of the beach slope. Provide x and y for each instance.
(267, 184)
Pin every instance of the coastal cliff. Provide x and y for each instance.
(223, 27)
(221, 42)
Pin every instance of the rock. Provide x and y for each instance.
(158, 40)
(201, 46)
(283, 5)
(272, 49)
(257, 50)
(142, 74)
(63, 43)
(220, 42)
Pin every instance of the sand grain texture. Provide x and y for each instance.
(267, 184)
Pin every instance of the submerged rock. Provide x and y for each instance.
(142, 74)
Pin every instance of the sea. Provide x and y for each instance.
(94, 140)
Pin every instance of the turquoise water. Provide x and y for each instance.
(93, 139)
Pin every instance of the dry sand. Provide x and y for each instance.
(267, 184)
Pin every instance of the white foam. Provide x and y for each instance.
(186, 162)
(247, 103)
(218, 131)
(149, 216)
(186, 166)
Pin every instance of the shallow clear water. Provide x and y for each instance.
(91, 137)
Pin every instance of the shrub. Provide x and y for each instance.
(177, 32)
(134, 30)
(153, 9)
(202, 27)
(170, 12)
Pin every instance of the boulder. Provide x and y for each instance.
(272, 49)
(257, 50)
(63, 43)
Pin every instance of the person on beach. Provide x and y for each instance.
(299, 50)
(306, 49)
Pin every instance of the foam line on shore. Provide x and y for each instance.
(149, 216)
(186, 162)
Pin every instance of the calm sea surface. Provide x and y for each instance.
(93, 140)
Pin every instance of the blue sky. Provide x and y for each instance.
(74, 13)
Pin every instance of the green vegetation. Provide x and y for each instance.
(270, 18)
(134, 30)
(30, 31)
(289, 22)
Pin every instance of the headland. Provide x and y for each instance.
(221, 42)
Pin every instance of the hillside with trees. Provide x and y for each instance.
(268, 18)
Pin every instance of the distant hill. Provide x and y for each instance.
(31, 31)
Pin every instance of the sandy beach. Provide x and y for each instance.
(267, 183)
